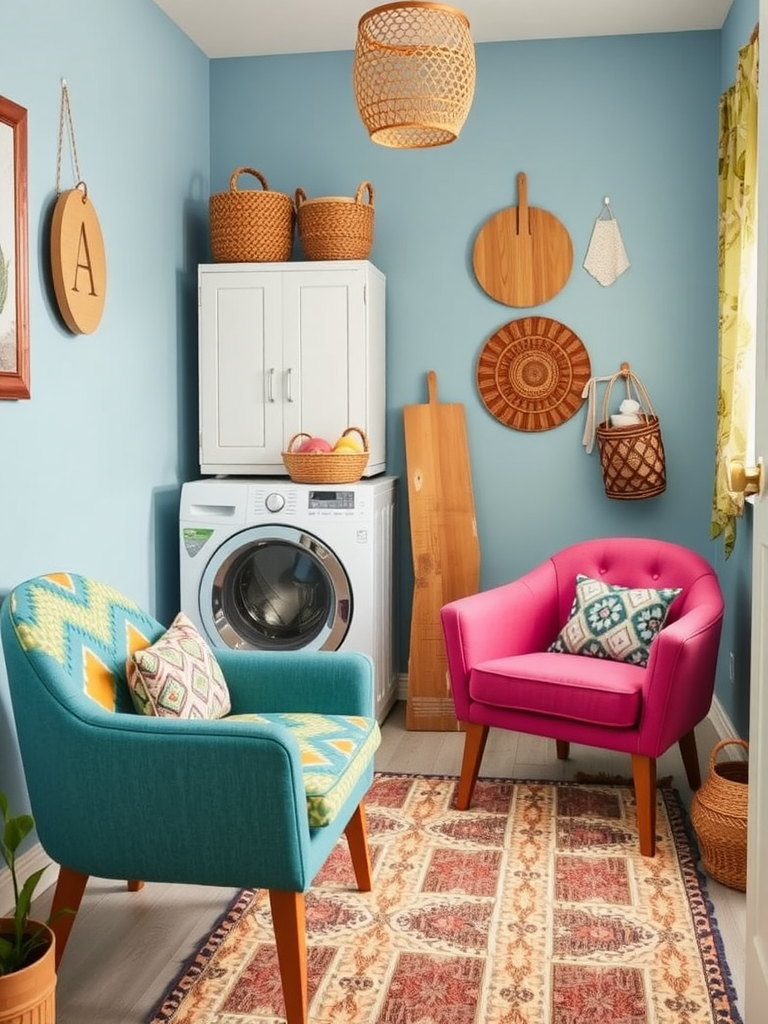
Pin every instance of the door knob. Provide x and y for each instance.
(747, 479)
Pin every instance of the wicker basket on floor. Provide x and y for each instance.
(326, 467)
(719, 818)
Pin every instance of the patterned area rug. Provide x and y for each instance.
(533, 907)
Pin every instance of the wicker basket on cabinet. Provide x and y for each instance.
(335, 227)
(251, 225)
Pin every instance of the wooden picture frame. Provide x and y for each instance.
(14, 252)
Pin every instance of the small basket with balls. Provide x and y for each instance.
(314, 460)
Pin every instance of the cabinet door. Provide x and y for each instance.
(241, 370)
(324, 351)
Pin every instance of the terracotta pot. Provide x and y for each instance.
(28, 996)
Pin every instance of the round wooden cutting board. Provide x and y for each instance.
(523, 255)
(531, 373)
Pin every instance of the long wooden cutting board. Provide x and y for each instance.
(444, 545)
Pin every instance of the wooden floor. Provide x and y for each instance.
(126, 948)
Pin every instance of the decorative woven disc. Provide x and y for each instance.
(531, 373)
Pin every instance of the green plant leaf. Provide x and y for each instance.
(24, 901)
(17, 829)
(20, 946)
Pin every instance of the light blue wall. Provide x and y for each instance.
(634, 118)
(90, 467)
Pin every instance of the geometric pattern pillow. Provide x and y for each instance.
(335, 750)
(618, 623)
(178, 676)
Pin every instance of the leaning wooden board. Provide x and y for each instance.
(523, 255)
(444, 546)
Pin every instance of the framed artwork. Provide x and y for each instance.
(14, 255)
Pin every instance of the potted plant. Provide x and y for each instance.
(27, 947)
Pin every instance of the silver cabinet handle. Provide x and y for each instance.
(289, 385)
(271, 385)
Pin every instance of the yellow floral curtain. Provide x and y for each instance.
(737, 250)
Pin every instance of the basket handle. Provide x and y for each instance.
(295, 438)
(358, 430)
(365, 186)
(246, 170)
(632, 380)
(301, 195)
(719, 746)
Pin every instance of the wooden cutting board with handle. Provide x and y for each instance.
(523, 255)
(444, 545)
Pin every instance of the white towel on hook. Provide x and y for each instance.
(606, 258)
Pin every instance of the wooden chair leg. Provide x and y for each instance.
(690, 757)
(289, 921)
(135, 885)
(357, 837)
(474, 746)
(67, 896)
(644, 775)
(563, 749)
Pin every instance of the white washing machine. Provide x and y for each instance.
(273, 565)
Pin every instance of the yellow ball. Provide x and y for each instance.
(348, 446)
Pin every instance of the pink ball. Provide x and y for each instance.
(315, 444)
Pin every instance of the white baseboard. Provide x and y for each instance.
(726, 730)
(26, 864)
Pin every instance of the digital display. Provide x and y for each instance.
(331, 499)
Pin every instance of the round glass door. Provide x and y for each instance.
(275, 588)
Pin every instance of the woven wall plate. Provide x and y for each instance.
(531, 373)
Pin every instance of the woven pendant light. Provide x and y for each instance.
(413, 73)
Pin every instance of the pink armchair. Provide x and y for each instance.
(502, 673)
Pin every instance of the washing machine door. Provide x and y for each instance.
(275, 588)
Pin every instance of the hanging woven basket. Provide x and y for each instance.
(719, 818)
(632, 457)
(413, 73)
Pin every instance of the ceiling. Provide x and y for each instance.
(249, 28)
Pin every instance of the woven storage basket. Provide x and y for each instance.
(632, 458)
(719, 818)
(336, 228)
(326, 467)
(251, 226)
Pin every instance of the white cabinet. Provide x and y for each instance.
(286, 348)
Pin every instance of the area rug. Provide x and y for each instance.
(532, 907)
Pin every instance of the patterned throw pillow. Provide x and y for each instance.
(178, 676)
(614, 622)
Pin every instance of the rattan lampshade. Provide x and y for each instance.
(413, 73)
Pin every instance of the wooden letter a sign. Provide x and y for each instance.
(78, 261)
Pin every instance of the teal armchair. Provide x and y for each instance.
(233, 801)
